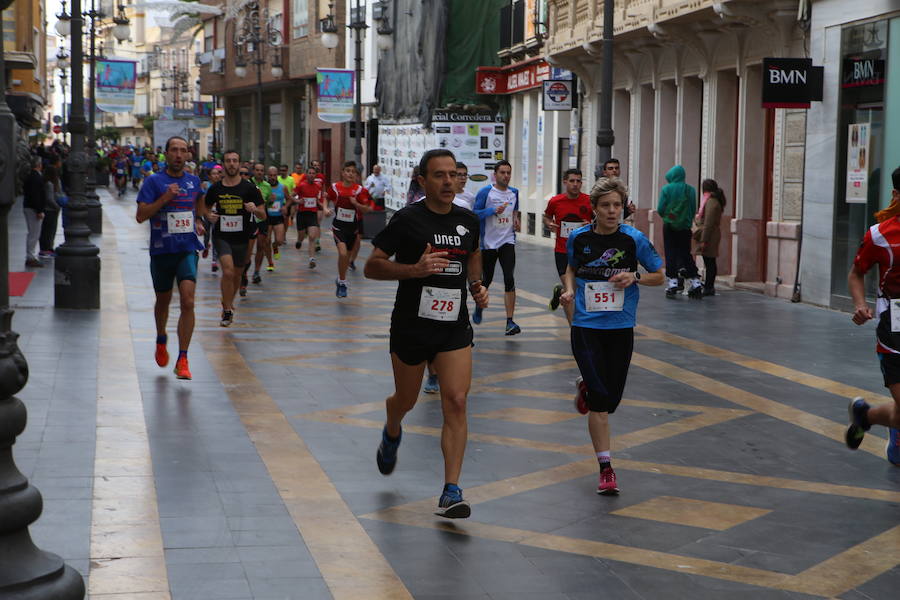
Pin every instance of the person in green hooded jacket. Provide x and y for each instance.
(677, 206)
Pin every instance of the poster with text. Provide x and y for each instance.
(858, 161)
(478, 145)
(335, 95)
(115, 85)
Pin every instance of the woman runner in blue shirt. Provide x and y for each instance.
(600, 282)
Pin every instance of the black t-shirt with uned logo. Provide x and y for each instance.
(234, 224)
(441, 295)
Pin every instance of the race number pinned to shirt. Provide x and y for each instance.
(440, 304)
(309, 202)
(347, 215)
(275, 208)
(567, 227)
(504, 220)
(603, 296)
(895, 315)
(180, 222)
(231, 223)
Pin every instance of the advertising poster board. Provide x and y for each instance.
(164, 129)
(478, 144)
(115, 85)
(858, 161)
(335, 95)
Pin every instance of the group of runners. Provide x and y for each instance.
(441, 251)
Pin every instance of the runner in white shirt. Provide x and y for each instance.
(463, 198)
(497, 206)
(377, 185)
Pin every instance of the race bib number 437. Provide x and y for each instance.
(440, 304)
(603, 296)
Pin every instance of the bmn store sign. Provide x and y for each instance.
(791, 83)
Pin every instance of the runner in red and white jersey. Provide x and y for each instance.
(309, 199)
(880, 246)
(349, 199)
(564, 214)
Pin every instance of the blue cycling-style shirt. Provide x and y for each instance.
(596, 257)
(162, 241)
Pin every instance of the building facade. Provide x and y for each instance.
(24, 49)
(853, 139)
(688, 78)
(291, 130)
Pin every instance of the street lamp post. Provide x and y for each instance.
(95, 208)
(254, 37)
(77, 264)
(62, 62)
(26, 571)
(605, 135)
(358, 26)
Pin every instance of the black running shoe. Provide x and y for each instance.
(386, 457)
(554, 300)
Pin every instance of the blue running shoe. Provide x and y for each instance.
(340, 289)
(859, 424)
(386, 457)
(451, 505)
(476, 316)
(512, 328)
(893, 446)
(431, 386)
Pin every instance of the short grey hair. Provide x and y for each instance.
(605, 185)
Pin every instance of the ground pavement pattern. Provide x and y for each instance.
(258, 480)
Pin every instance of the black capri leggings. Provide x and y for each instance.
(507, 255)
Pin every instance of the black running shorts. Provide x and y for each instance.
(562, 262)
(603, 357)
(344, 235)
(238, 252)
(890, 368)
(414, 347)
(276, 220)
(306, 219)
(262, 228)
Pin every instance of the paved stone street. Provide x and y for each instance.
(258, 480)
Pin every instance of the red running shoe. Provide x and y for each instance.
(162, 355)
(581, 392)
(607, 485)
(182, 371)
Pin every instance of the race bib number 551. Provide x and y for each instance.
(440, 304)
(603, 296)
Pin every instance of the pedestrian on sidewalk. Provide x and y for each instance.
(878, 248)
(53, 191)
(378, 185)
(677, 207)
(707, 231)
(34, 196)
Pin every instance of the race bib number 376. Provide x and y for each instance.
(440, 304)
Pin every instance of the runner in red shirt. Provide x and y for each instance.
(564, 214)
(309, 200)
(349, 199)
(880, 246)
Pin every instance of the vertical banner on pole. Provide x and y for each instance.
(335, 95)
(115, 85)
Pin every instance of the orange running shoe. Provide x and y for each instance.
(162, 355)
(182, 371)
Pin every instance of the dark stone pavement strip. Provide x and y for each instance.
(228, 535)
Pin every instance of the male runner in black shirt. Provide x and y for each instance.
(435, 245)
(233, 200)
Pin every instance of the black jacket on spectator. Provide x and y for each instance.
(34, 193)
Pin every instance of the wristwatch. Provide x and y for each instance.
(637, 276)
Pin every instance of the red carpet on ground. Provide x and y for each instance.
(18, 283)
